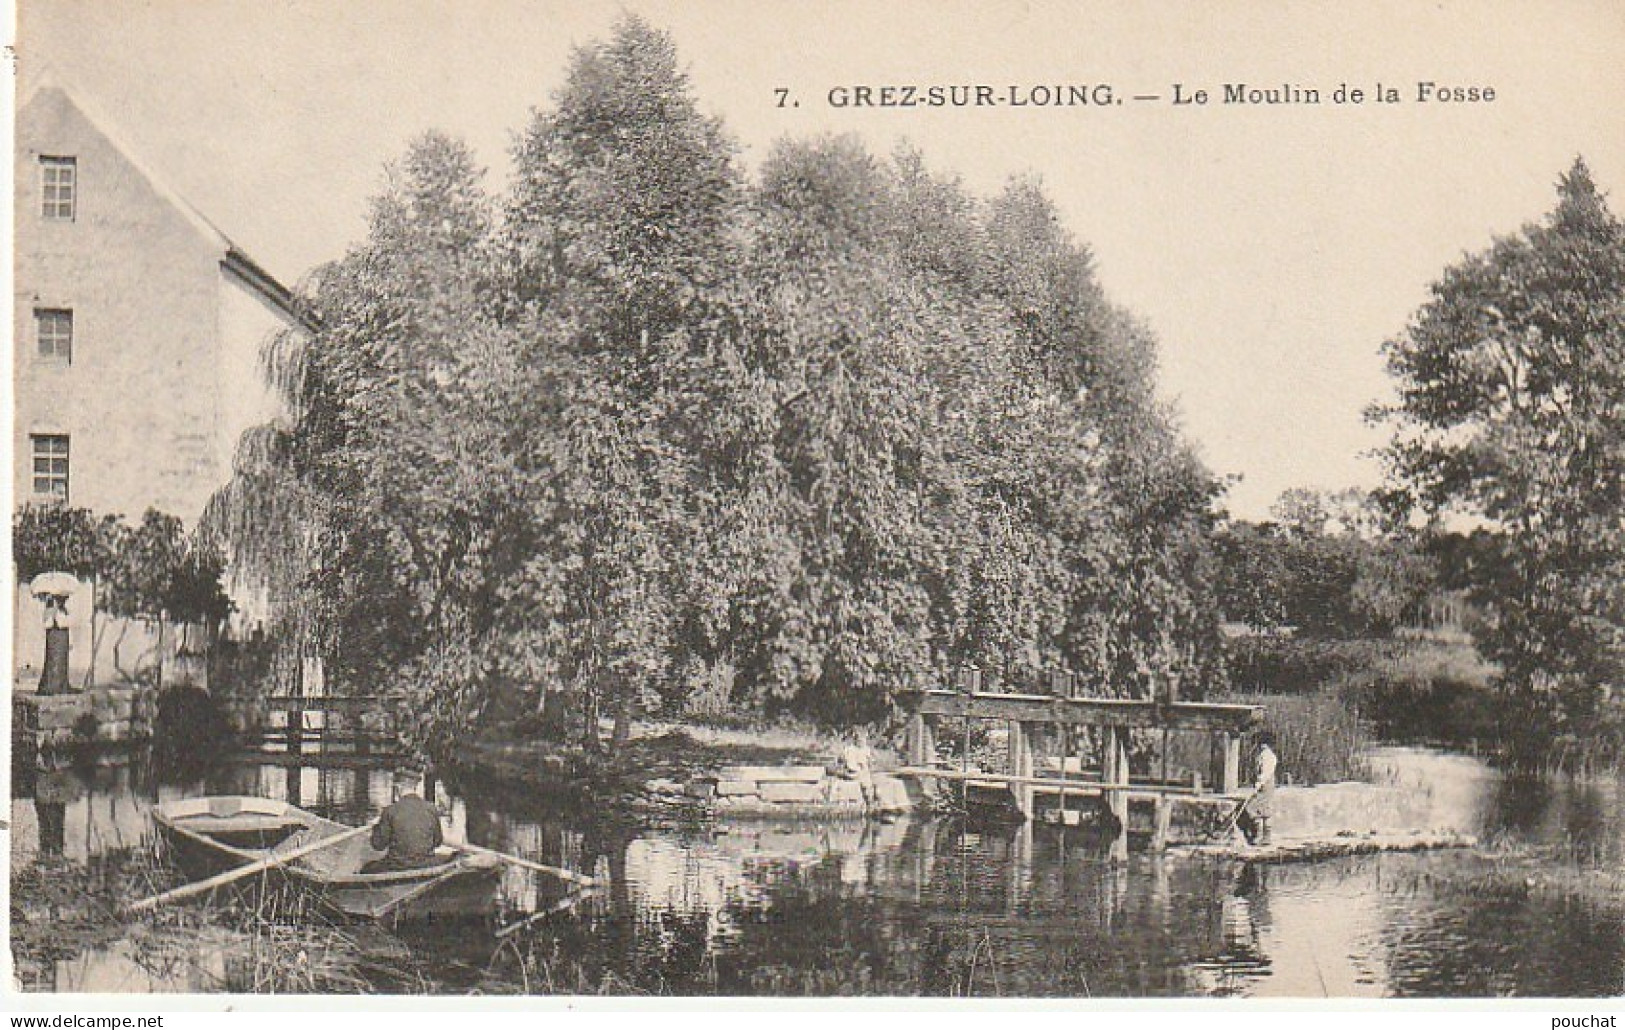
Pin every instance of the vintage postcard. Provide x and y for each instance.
(1006, 500)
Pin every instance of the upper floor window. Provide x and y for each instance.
(53, 327)
(50, 466)
(59, 186)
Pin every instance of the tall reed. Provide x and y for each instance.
(1319, 737)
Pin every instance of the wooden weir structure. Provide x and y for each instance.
(1085, 744)
(325, 724)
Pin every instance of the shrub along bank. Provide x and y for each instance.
(1319, 737)
(1328, 698)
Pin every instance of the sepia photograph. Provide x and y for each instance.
(866, 500)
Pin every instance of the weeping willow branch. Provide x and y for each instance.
(267, 525)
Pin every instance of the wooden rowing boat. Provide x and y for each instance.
(210, 835)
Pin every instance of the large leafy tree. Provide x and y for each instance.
(951, 457)
(618, 229)
(657, 436)
(623, 193)
(1512, 409)
(1139, 609)
(375, 515)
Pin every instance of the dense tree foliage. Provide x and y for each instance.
(56, 538)
(1512, 410)
(1322, 566)
(642, 433)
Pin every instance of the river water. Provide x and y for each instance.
(923, 906)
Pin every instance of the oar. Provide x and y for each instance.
(232, 875)
(563, 874)
(554, 909)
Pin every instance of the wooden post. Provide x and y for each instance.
(922, 752)
(296, 730)
(1064, 733)
(1116, 773)
(1066, 686)
(1021, 765)
(971, 679)
(928, 757)
(1159, 826)
(293, 783)
(1167, 736)
(964, 744)
(1021, 868)
(1228, 772)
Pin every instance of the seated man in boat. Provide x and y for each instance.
(409, 829)
(1255, 817)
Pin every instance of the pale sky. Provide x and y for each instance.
(1271, 249)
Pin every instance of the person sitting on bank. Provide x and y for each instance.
(1255, 818)
(857, 763)
(408, 830)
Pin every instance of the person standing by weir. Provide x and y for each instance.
(1260, 808)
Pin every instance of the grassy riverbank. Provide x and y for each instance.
(63, 911)
(1329, 700)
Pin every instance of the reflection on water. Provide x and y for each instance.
(931, 907)
(145, 968)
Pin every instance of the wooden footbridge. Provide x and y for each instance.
(1057, 747)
